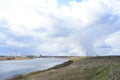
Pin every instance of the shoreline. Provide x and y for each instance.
(64, 64)
(8, 58)
(79, 68)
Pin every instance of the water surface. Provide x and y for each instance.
(8, 69)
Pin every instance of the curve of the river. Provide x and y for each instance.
(8, 69)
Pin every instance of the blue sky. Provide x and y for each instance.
(59, 27)
(66, 2)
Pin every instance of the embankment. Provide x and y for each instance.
(80, 68)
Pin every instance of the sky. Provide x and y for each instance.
(60, 27)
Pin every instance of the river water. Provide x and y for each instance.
(9, 69)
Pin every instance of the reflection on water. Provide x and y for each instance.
(9, 69)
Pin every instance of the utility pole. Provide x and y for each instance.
(87, 54)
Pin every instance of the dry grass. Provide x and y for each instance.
(82, 68)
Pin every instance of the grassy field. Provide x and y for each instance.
(80, 68)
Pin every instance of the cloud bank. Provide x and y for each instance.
(58, 27)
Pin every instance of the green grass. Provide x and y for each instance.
(101, 73)
(82, 68)
(108, 73)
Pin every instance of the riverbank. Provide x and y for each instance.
(3, 58)
(79, 68)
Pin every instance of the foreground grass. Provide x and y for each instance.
(80, 68)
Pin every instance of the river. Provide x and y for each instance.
(9, 69)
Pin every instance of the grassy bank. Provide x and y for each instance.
(79, 68)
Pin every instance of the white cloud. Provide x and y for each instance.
(56, 29)
(113, 5)
(2, 36)
(14, 43)
(113, 40)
